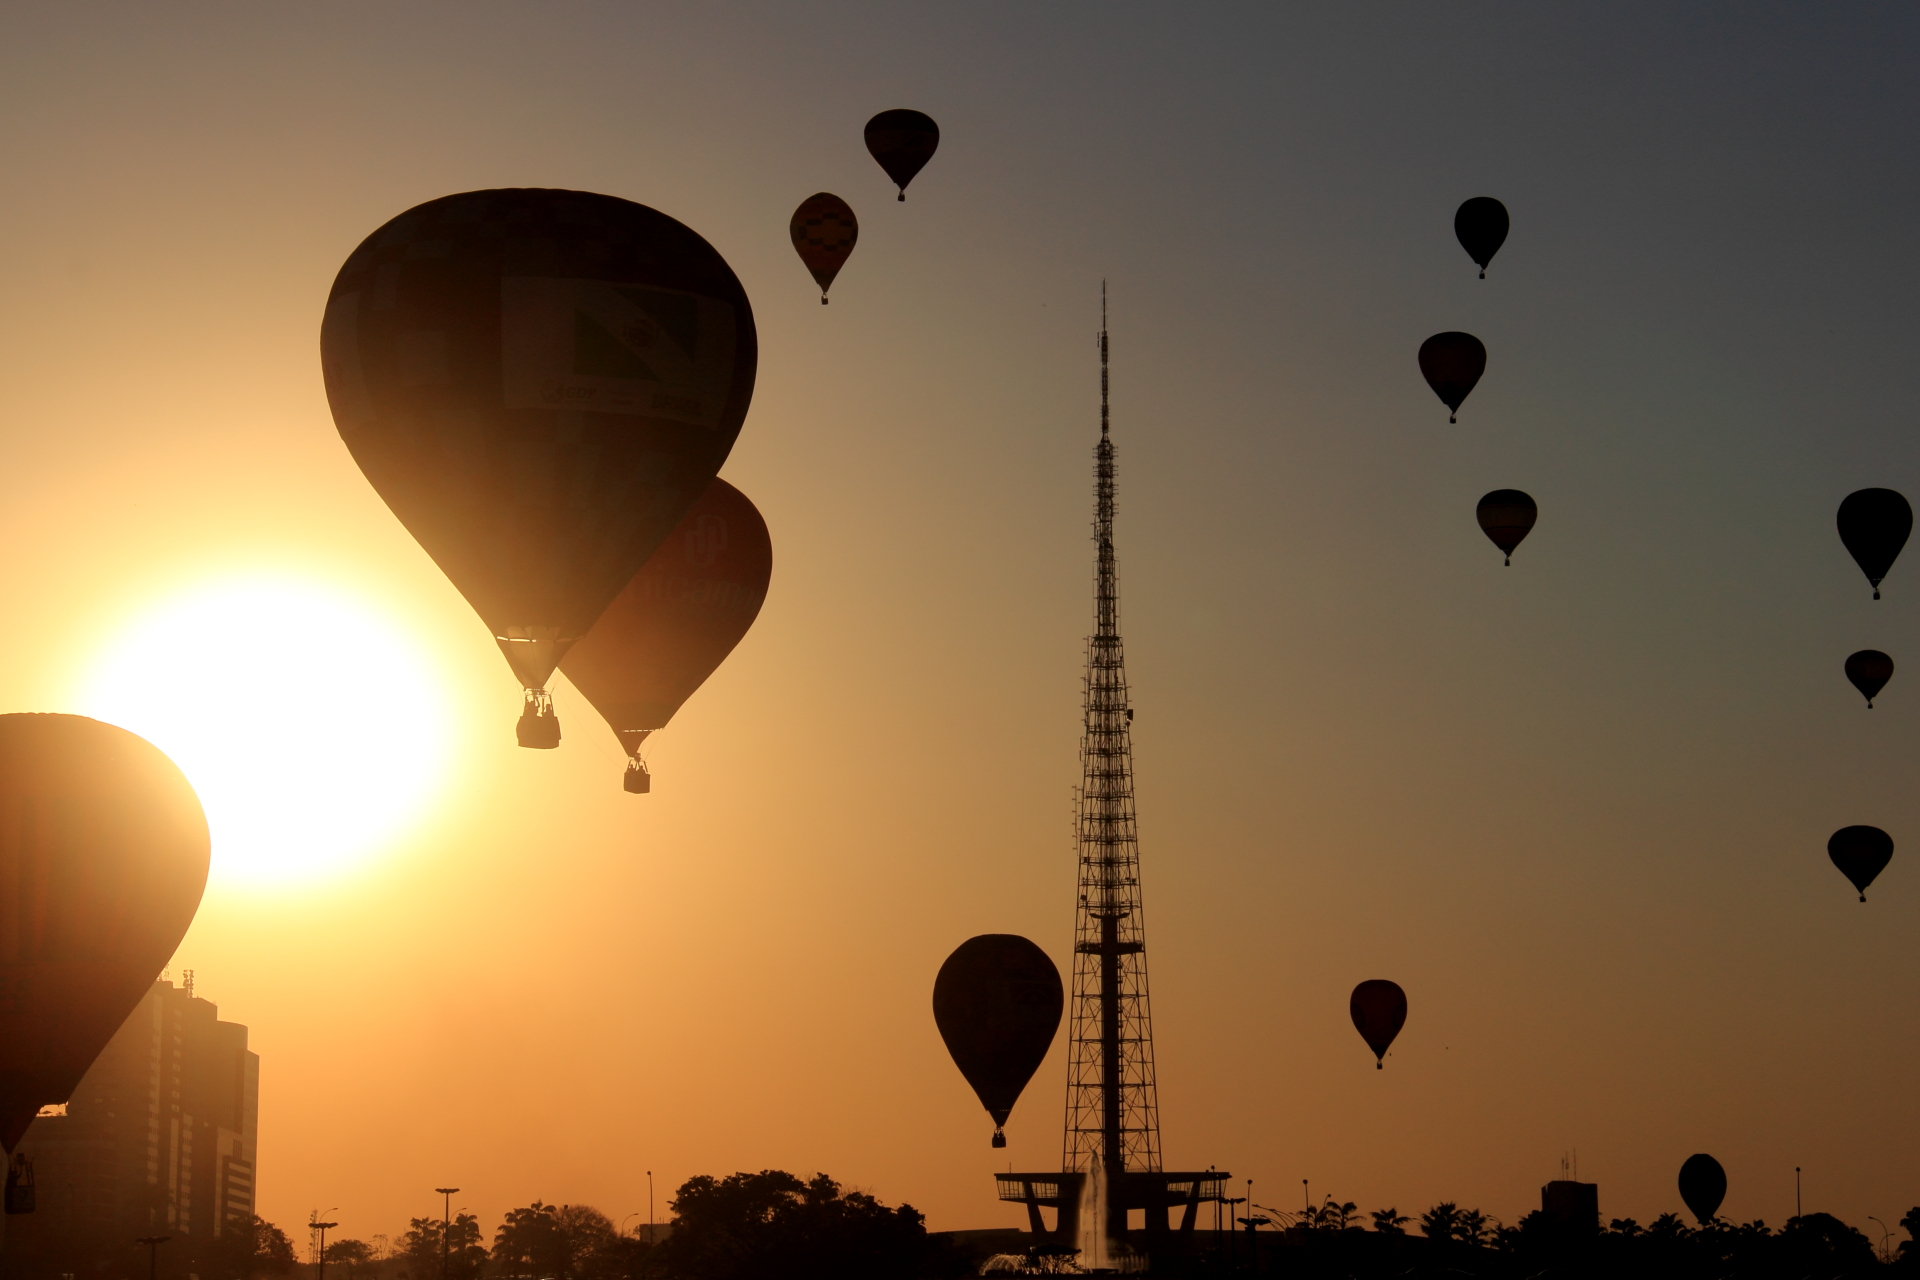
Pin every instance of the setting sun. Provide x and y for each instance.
(312, 728)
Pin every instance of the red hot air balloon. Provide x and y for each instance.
(997, 1002)
(1379, 1010)
(539, 384)
(1869, 670)
(1452, 364)
(1480, 225)
(1861, 853)
(1703, 1185)
(1506, 516)
(824, 231)
(103, 857)
(902, 141)
(675, 622)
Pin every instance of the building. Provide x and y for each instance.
(160, 1137)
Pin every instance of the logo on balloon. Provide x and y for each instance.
(706, 540)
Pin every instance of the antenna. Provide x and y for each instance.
(186, 982)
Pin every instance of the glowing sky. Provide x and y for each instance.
(1576, 807)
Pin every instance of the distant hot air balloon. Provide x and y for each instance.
(675, 622)
(1861, 853)
(1874, 524)
(1480, 225)
(1452, 363)
(997, 1002)
(1379, 1010)
(1506, 516)
(902, 141)
(539, 384)
(1703, 1185)
(103, 857)
(1869, 670)
(824, 231)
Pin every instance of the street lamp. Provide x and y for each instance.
(314, 1224)
(446, 1224)
(153, 1244)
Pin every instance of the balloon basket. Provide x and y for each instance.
(638, 781)
(539, 727)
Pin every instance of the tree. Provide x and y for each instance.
(1441, 1221)
(568, 1241)
(1390, 1222)
(355, 1255)
(248, 1248)
(419, 1253)
(750, 1226)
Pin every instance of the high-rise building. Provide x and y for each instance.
(1111, 1173)
(160, 1138)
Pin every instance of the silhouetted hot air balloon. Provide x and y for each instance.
(902, 141)
(1452, 363)
(103, 857)
(1869, 670)
(824, 231)
(1480, 225)
(675, 622)
(1506, 516)
(1703, 1185)
(997, 1002)
(1874, 523)
(1861, 853)
(1379, 1010)
(539, 384)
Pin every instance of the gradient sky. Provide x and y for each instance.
(1577, 808)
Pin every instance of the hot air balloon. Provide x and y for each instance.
(824, 231)
(997, 1002)
(1452, 363)
(1506, 516)
(1874, 524)
(1379, 1010)
(1480, 225)
(902, 141)
(1861, 853)
(539, 384)
(1869, 670)
(675, 622)
(103, 857)
(1703, 1185)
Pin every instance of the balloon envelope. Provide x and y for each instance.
(902, 141)
(824, 231)
(1506, 516)
(1480, 225)
(1874, 524)
(1861, 853)
(1452, 363)
(539, 384)
(103, 857)
(1379, 1010)
(679, 618)
(997, 1002)
(1703, 1185)
(1869, 670)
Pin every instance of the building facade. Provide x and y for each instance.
(160, 1138)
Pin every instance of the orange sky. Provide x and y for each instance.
(1577, 808)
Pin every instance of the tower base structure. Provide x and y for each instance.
(1158, 1194)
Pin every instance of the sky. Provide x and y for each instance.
(1577, 807)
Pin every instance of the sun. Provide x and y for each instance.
(312, 727)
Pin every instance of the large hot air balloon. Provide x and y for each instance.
(1452, 363)
(1480, 225)
(539, 384)
(902, 141)
(1703, 1185)
(103, 857)
(1861, 853)
(1869, 670)
(1506, 516)
(1379, 1010)
(997, 1002)
(675, 622)
(824, 231)
(1874, 524)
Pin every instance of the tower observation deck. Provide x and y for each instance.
(1110, 1157)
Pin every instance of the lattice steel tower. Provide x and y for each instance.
(1113, 1114)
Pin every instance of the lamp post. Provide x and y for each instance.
(314, 1224)
(446, 1225)
(650, 1230)
(153, 1244)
